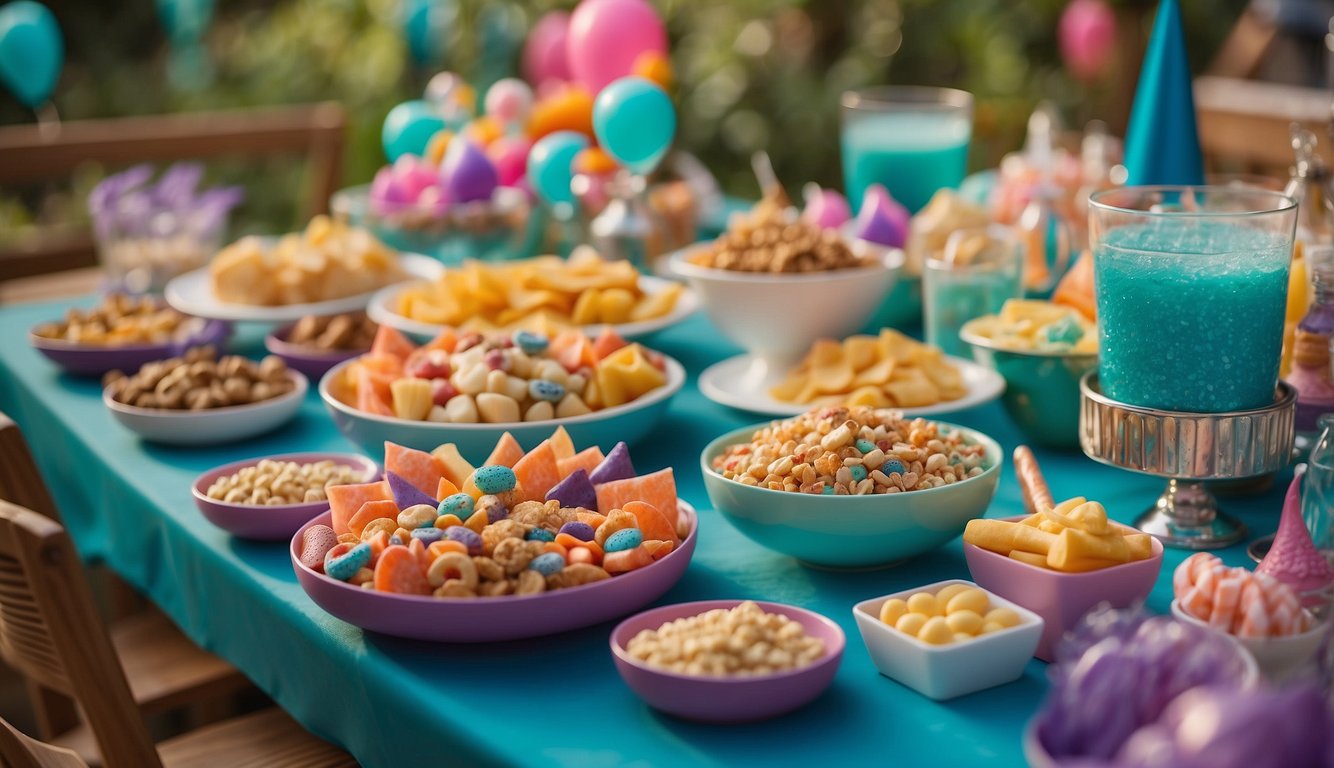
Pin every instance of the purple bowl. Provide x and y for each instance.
(493, 619)
(95, 360)
(727, 699)
(278, 522)
(1061, 599)
(309, 361)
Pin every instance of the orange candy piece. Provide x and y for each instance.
(562, 447)
(652, 522)
(657, 488)
(506, 453)
(1076, 288)
(587, 460)
(372, 510)
(439, 548)
(398, 571)
(417, 467)
(346, 500)
(444, 489)
(659, 549)
(626, 560)
(592, 518)
(537, 472)
(389, 341)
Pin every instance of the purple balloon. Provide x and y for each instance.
(468, 173)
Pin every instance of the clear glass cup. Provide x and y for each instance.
(979, 270)
(143, 262)
(912, 139)
(1191, 287)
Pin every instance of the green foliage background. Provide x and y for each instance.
(752, 74)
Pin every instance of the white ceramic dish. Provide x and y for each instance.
(629, 422)
(214, 425)
(381, 310)
(777, 317)
(947, 671)
(1277, 657)
(193, 293)
(743, 382)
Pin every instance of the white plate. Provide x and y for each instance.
(742, 382)
(193, 293)
(382, 303)
(213, 425)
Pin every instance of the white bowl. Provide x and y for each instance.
(946, 671)
(381, 310)
(776, 317)
(214, 425)
(629, 422)
(1277, 657)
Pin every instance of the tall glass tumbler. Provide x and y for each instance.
(979, 270)
(912, 139)
(1191, 285)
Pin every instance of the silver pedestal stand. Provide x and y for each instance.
(1187, 449)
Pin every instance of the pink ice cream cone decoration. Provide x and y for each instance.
(1293, 558)
(882, 219)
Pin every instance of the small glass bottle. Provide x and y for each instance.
(1309, 184)
(1310, 376)
(1043, 231)
(1318, 490)
(1319, 317)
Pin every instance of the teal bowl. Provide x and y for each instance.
(851, 532)
(1041, 388)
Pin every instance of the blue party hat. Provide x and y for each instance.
(1162, 143)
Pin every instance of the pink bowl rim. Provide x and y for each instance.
(199, 488)
(295, 550)
(831, 655)
(1157, 556)
(277, 343)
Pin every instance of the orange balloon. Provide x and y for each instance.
(594, 161)
(435, 149)
(483, 130)
(569, 110)
(656, 68)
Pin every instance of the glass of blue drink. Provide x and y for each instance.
(1190, 285)
(980, 269)
(912, 139)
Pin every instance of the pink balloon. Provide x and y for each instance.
(606, 36)
(544, 56)
(1087, 35)
(510, 155)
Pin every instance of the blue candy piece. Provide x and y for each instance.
(540, 534)
(346, 565)
(405, 493)
(892, 465)
(531, 343)
(494, 479)
(616, 466)
(428, 535)
(828, 490)
(578, 529)
(865, 446)
(547, 563)
(545, 389)
(626, 538)
(467, 537)
(396, 539)
(1065, 331)
(575, 491)
(459, 505)
(858, 473)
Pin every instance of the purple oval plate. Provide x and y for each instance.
(95, 360)
(311, 362)
(278, 522)
(493, 619)
(727, 699)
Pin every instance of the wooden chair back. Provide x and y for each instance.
(1244, 124)
(29, 154)
(19, 751)
(20, 481)
(50, 631)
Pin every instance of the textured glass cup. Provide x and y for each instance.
(978, 271)
(1191, 286)
(912, 139)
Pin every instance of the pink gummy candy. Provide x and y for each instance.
(825, 208)
(882, 219)
(1293, 558)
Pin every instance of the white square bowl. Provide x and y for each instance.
(946, 671)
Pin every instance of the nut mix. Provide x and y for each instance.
(330, 334)
(851, 451)
(741, 642)
(199, 380)
(281, 482)
(120, 320)
(768, 240)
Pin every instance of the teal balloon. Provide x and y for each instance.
(408, 128)
(185, 20)
(550, 165)
(635, 123)
(425, 25)
(31, 51)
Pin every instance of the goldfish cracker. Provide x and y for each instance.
(659, 548)
(892, 610)
(552, 546)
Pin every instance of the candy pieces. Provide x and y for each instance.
(1074, 537)
(587, 460)
(626, 374)
(1237, 601)
(955, 613)
(315, 545)
(657, 488)
(1032, 324)
(1037, 496)
(574, 491)
(494, 479)
(405, 493)
(346, 500)
(1293, 558)
(882, 219)
(653, 523)
(343, 561)
(507, 451)
(397, 570)
(616, 466)
(537, 472)
(451, 463)
(417, 467)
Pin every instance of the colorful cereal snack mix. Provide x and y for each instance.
(438, 526)
(771, 239)
(852, 451)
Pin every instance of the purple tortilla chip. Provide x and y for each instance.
(575, 491)
(405, 493)
(616, 466)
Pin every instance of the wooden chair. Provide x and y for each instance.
(1245, 123)
(29, 153)
(50, 630)
(166, 671)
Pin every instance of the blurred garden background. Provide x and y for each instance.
(750, 74)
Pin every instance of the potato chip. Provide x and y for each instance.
(889, 370)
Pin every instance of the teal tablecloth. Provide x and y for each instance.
(550, 701)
